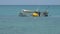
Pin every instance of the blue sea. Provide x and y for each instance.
(11, 23)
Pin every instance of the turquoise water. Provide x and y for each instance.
(11, 23)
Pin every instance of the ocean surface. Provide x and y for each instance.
(11, 23)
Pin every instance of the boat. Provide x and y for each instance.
(34, 13)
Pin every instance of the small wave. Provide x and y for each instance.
(54, 16)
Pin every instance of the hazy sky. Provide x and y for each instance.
(29, 2)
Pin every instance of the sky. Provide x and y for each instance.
(29, 2)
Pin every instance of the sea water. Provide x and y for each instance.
(11, 23)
